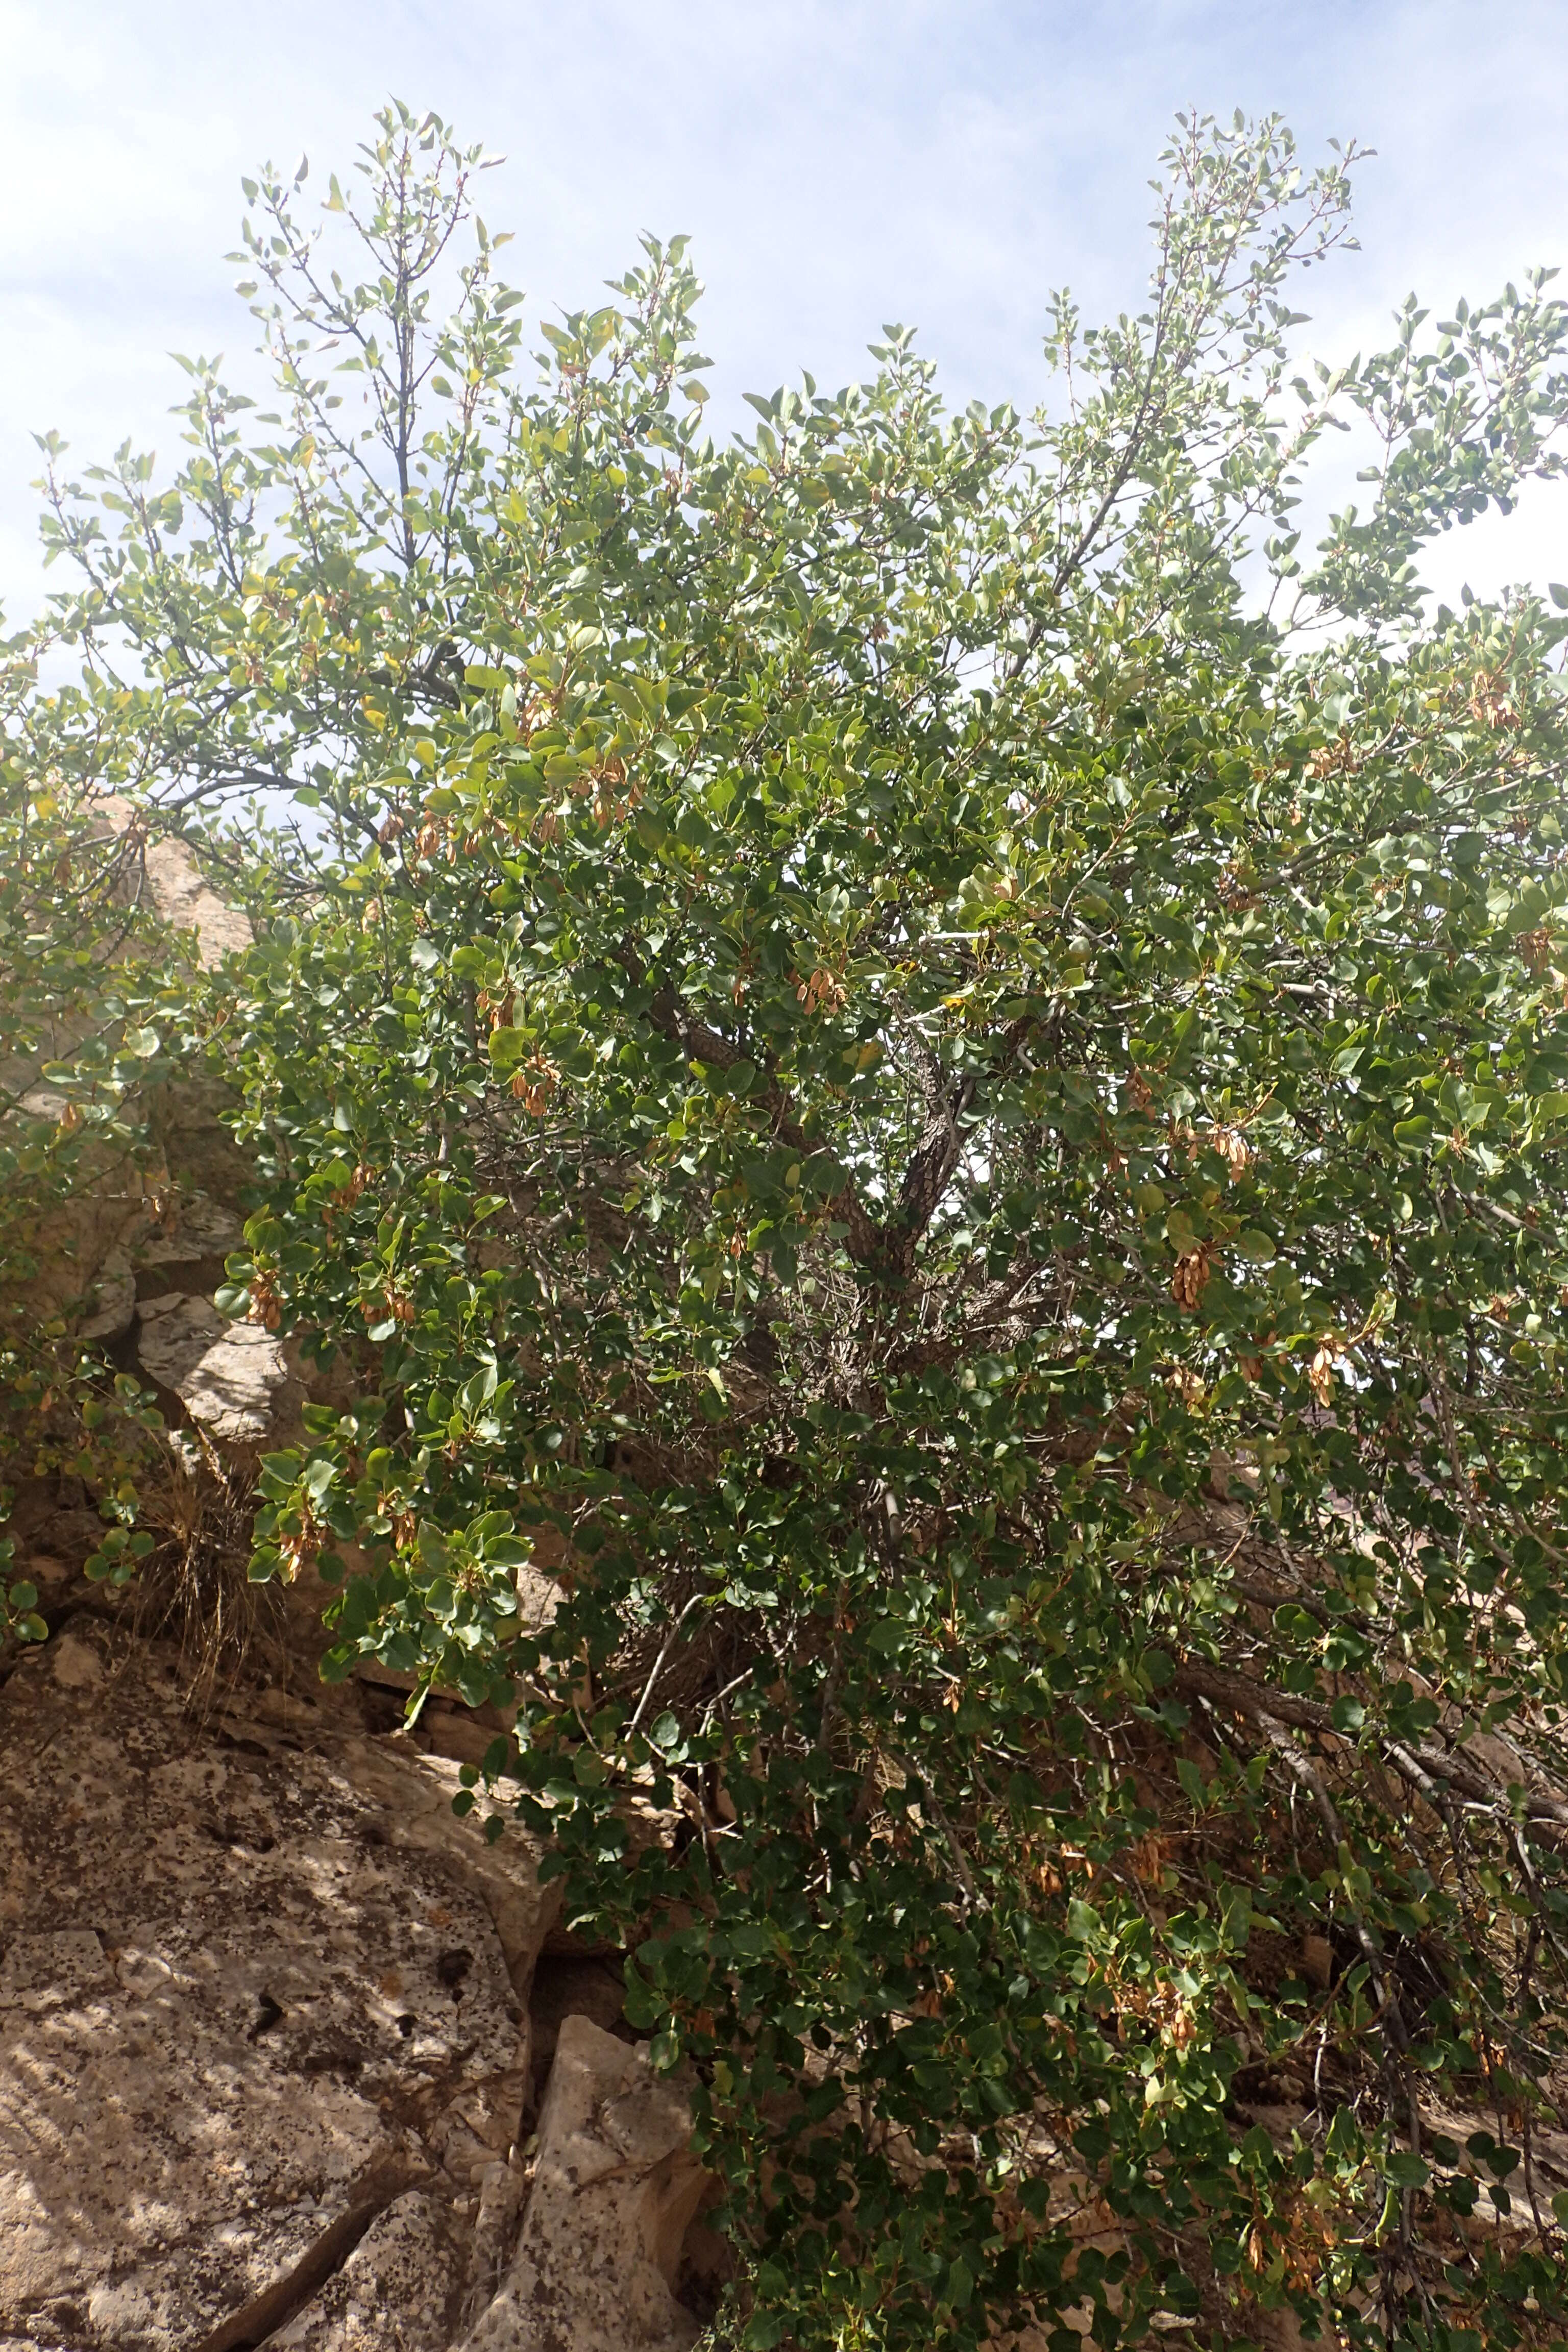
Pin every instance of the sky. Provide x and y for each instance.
(837, 163)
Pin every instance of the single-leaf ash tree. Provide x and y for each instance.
(929, 1063)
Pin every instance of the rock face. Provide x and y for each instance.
(251, 1976)
(227, 1375)
(616, 2189)
(118, 1200)
(394, 2291)
(265, 2044)
(173, 882)
(133, 1258)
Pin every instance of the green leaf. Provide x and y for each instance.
(1407, 2170)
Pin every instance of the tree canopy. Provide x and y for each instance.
(929, 1061)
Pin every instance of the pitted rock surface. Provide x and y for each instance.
(393, 2294)
(246, 1971)
(616, 2189)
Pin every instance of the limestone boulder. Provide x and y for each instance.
(174, 1332)
(395, 2292)
(186, 1249)
(616, 2191)
(229, 1376)
(111, 1208)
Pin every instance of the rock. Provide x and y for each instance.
(568, 1985)
(188, 1249)
(182, 899)
(175, 886)
(227, 1375)
(196, 1228)
(60, 1971)
(502, 2191)
(187, 1116)
(1317, 1961)
(173, 1333)
(247, 1978)
(52, 1538)
(115, 1185)
(414, 1794)
(232, 1392)
(392, 2294)
(615, 2189)
(82, 1248)
(53, 1576)
(113, 1299)
(76, 1665)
